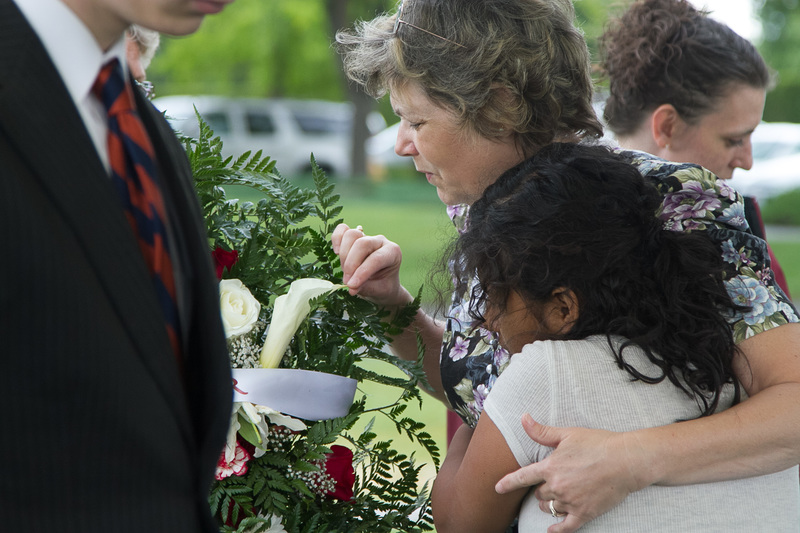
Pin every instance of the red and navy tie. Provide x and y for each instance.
(133, 173)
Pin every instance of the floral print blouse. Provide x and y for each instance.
(694, 200)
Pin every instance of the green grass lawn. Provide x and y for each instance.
(782, 210)
(432, 413)
(788, 254)
(782, 213)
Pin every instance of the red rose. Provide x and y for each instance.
(339, 466)
(224, 259)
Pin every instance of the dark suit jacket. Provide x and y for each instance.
(99, 430)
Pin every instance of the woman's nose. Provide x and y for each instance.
(404, 146)
(744, 156)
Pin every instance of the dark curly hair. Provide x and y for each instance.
(579, 217)
(667, 52)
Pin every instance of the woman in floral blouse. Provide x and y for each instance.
(479, 86)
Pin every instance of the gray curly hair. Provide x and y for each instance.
(500, 65)
(147, 40)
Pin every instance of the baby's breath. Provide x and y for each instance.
(245, 350)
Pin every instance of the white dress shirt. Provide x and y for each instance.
(78, 59)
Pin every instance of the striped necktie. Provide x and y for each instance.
(133, 173)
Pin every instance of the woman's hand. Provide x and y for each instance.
(371, 269)
(370, 266)
(589, 472)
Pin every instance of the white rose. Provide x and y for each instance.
(239, 307)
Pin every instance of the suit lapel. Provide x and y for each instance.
(81, 192)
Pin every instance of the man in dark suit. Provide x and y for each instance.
(102, 427)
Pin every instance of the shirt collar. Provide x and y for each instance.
(70, 45)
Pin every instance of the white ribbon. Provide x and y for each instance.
(300, 393)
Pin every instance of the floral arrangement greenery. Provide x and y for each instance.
(279, 473)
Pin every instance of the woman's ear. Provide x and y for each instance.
(561, 311)
(664, 124)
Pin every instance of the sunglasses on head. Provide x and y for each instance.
(399, 20)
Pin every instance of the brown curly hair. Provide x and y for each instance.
(667, 52)
(500, 65)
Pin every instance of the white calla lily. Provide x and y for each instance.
(289, 312)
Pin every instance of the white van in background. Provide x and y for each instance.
(287, 130)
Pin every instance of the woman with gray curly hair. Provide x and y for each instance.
(480, 86)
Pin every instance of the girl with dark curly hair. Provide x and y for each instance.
(588, 291)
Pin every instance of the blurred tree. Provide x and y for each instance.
(780, 47)
(341, 14)
(591, 16)
(254, 48)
